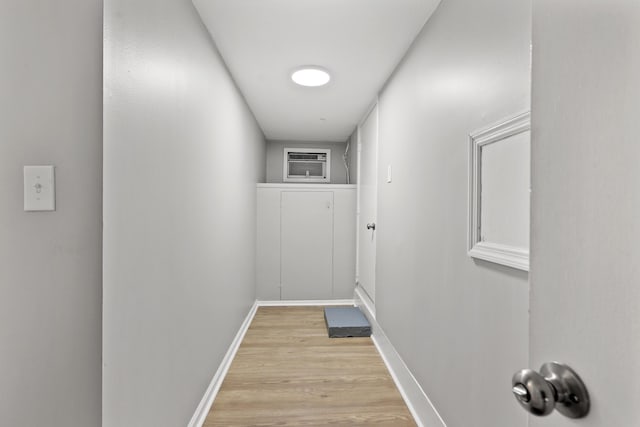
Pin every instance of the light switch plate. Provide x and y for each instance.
(389, 173)
(39, 188)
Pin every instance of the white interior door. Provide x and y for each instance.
(306, 245)
(585, 260)
(367, 202)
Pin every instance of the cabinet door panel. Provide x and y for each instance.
(307, 245)
(344, 243)
(268, 245)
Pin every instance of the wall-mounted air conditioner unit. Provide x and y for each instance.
(306, 165)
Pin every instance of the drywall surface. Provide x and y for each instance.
(353, 157)
(275, 159)
(461, 325)
(179, 218)
(50, 262)
(586, 202)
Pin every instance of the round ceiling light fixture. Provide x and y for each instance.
(311, 76)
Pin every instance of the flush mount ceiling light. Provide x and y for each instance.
(310, 76)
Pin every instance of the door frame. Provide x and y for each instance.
(362, 294)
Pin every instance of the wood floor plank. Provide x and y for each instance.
(287, 372)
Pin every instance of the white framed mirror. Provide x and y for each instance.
(499, 192)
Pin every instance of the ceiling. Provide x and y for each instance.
(359, 42)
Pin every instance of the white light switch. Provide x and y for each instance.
(389, 173)
(39, 188)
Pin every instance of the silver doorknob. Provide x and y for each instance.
(371, 226)
(557, 386)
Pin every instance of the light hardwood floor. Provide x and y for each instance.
(287, 372)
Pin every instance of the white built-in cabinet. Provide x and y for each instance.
(306, 243)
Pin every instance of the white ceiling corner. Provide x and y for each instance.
(359, 41)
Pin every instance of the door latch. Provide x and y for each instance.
(557, 386)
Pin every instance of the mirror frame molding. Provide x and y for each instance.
(511, 256)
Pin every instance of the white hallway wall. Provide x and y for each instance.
(179, 221)
(50, 262)
(460, 325)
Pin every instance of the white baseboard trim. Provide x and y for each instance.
(300, 303)
(423, 411)
(198, 418)
(362, 300)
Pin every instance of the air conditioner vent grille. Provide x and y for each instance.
(307, 156)
(304, 169)
(306, 165)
